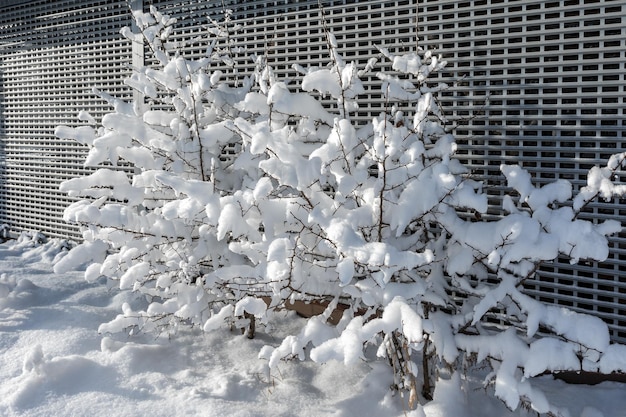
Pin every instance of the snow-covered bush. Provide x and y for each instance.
(161, 232)
(377, 224)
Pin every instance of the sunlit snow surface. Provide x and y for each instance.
(54, 363)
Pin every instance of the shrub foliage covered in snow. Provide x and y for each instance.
(377, 224)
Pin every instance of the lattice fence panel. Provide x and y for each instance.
(542, 84)
(52, 53)
(292, 32)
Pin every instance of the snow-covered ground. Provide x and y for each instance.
(53, 362)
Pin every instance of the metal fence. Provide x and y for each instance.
(52, 54)
(544, 86)
(540, 83)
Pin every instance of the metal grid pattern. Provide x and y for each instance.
(288, 32)
(540, 83)
(52, 53)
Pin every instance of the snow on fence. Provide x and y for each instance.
(541, 83)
